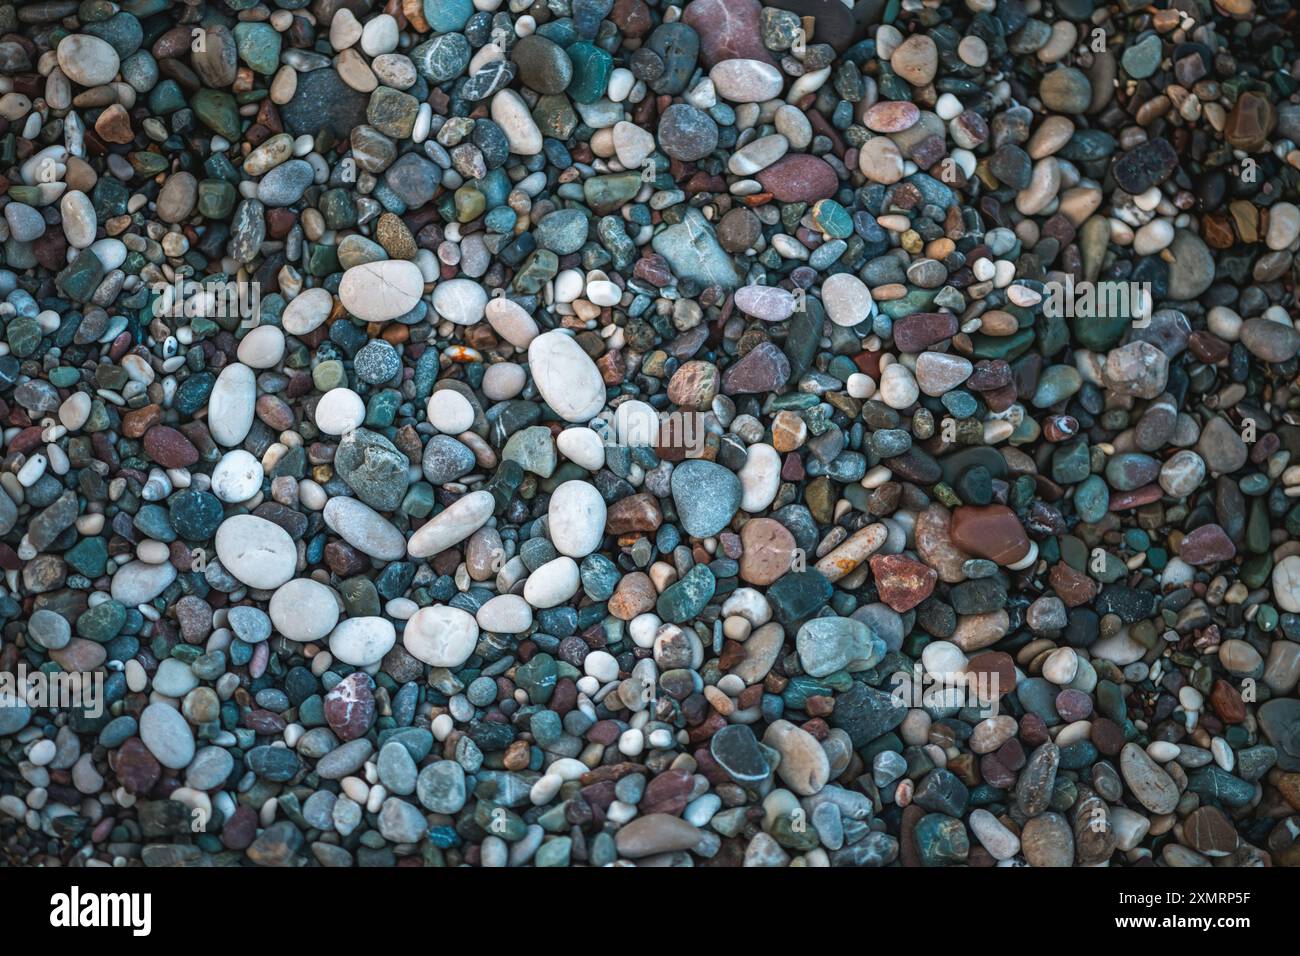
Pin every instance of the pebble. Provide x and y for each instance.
(1286, 583)
(452, 525)
(706, 496)
(87, 60)
(1152, 787)
(362, 641)
(511, 114)
(339, 411)
(830, 644)
(567, 379)
(916, 59)
(510, 321)
(746, 81)
(450, 412)
(307, 311)
(1269, 340)
(364, 528)
(303, 610)
(804, 766)
(167, 735)
(255, 551)
(381, 291)
(552, 584)
(460, 300)
(847, 299)
(686, 133)
(576, 519)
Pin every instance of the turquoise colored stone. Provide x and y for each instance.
(591, 69)
(218, 111)
(88, 556)
(102, 622)
(832, 219)
(446, 16)
(683, 600)
(941, 840)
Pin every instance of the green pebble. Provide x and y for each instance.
(216, 198)
(24, 336)
(1142, 59)
(218, 111)
(1071, 463)
(88, 556)
(1057, 384)
(554, 852)
(591, 69)
(81, 277)
(103, 622)
(833, 219)
(259, 46)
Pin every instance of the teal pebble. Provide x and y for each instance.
(591, 69)
(259, 46)
(446, 16)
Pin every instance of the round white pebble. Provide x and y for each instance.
(237, 477)
(339, 411)
(450, 412)
(441, 636)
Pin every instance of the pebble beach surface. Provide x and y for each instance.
(593, 432)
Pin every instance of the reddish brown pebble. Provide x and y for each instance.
(136, 768)
(994, 670)
(638, 512)
(990, 531)
(768, 551)
(350, 707)
(798, 177)
(1208, 830)
(1072, 586)
(902, 582)
(170, 448)
(1208, 544)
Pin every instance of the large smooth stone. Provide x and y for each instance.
(804, 766)
(706, 496)
(381, 291)
(746, 81)
(441, 636)
(567, 378)
(655, 833)
(1152, 786)
(304, 610)
(511, 321)
(167, 735)
(364, 528)
(990, 531)
(553, 583)
(363, 641)
(505, 614)
(576, 518)
(452, 525)
(511, 113)
(461, 301)
(87, 60)
(307, 311)
(830, 644)
(760, 478)
(257, 552)
(237, 477)
(231, 404)
(138, 583)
